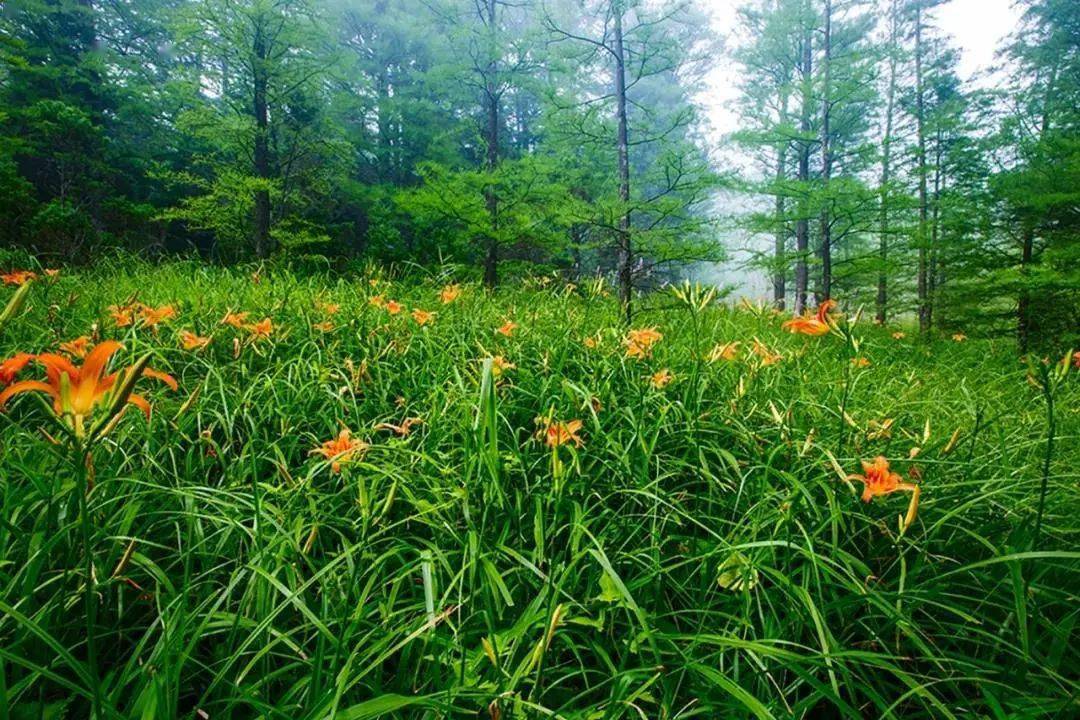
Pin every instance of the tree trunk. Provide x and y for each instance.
(931, 280)
(491, 200)
(923, 284)
(779, 278)
(886, 170)
(625, 251)
(262, 140)
(802, 226)
(826, 161)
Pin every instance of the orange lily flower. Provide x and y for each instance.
(52, 272)
(724, 351)
(422, 317)
(377, 301)
(123, 315)
(877, 480)
(818, 324)
(329, 308)
(507, 328)
(342, 449)
(449, 294)
(768, 357)
(393, 307)
(556, 433)
(18, 277)
(191, 341)
(860, 362)
(639, 342)
(899, 335)
(661, 379)
(235, 319)
(11, 367)
(77, 347)
(959, 337)
(1076, 359)
(591, 342)
(152, 316)
(262, 329)
(77, 391)
(499, 365)
(325, 326)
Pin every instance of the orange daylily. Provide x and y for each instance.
(377, 301)
(724, 351)
(77, 391)
(507, 328)
(449, 294)
(10, 368)
(661, 379)
(499, 365)
(329, 308)
(151, 316)
(556, 433)
(341, 449)
(52, 272)
(77, 347)
(1076, 359)
(235, 319)
(402, 430)
(959, 337)
(639, 342)
(591, 342)
(262, 329)
(877, 480)
(768, 357)
(393, 307)
(422, 317)
(860, 362)
(899, 335)
(325, 326)
(818, 324)
(124, 315)
(18, 277)
(191, 341)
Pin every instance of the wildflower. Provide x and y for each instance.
(262, 329)
(123, 315)
(393, 307)
(76, 348)
(591, 342)
(661, 379)
(191, 341)
(377, 301)
(325, 326)
(329, 308)
(18, 277)
(877, 480)
(402, 430)
(152, 316)
(422, 317)
(899, 335)
(449, 294)
(639, 342)
(10, 368)
(499, 365)
(507, 328)
(723, 351)
(342, 449)
(52, 272)
(235, 319)
(959, 337)
(861, 362)
(556, 433)
(77, 391)
(768, 357)
(1076, 359)
(818, 324)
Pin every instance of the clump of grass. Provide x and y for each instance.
(701, 554)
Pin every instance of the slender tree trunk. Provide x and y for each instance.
(826, 160)
(923, 284)
(932, 284)
(491, 200)
(780, 259)
(625, 250)
(802, 226)
(886, 170)
(262, 141)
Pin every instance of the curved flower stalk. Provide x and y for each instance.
(15, 304)
(79, 393)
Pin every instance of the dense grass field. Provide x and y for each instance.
(695, 549)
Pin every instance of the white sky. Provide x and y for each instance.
(976, 26)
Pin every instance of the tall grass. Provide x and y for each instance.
(703, 554)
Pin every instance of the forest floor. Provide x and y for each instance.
(534, 513)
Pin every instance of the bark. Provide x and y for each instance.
(262, 141)
(923, 284)
(826, 161)
(802, 226)
(886, 170)
(625, 250)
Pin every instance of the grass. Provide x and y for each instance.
(702, 554)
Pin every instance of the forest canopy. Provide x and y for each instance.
(559, 135)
